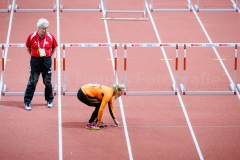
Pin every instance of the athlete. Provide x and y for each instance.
(98, 96)
(41, 46)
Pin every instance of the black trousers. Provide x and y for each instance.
(39, 65)
(94, 115)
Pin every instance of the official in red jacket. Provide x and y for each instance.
(41, 46)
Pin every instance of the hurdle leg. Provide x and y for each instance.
(54, 5)
(151, 6)
(55, 77)
(144, 9)
(3, 71)
(64, 74)
(115, 65)
(100, 6)
(197, 6)
(176, 72)
(234, 85)
(6, 10)
(60, 5)
(182, 86)
(103, 7)
(9, 6)
(125, 67)
(237, 6)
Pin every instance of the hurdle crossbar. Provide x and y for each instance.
(105, 11)
(140, 93)
(62, 9)
(17, 9)
(94, 45)
(6, 10)
(188, 9)
(233, 9)
(4, 86)
(233, 86)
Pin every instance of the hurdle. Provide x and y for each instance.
(188, 9)
(147, 93)
(88, 45)
(62, 9)
(233, 86)
(6, 10)
(233, 9)
(4, 86)
(17, 9)
(105, 11)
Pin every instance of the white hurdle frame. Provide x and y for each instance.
(233, 9)
(16, 9)
(4, 86)
(105, 11)
(189, 9)
(6, 10)
(88, 45)
(149, 93)
(233, 86)
(62, 9)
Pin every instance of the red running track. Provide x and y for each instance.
(158, 127)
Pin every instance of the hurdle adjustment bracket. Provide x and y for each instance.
(4, 89)
(6, 10)
(183, 90)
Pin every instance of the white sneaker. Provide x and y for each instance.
(27, 107)
(49, 104)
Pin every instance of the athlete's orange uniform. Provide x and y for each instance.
(103, 93)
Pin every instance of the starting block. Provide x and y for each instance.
(149, 93)
(105, 11)
(3, 86)
(16, 9)
(88, 45)
(6, 10)
(188, 9)
(62, 9)
(233, 9)
(233, 86)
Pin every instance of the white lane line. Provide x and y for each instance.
(6, 49)
(120, 99)
(214, 48)
(178, 93)
(231, 126)
(59, 95)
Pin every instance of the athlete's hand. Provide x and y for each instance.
(116, 122)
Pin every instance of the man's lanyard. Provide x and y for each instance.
(43, 43)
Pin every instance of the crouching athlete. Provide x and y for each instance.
(98, 96)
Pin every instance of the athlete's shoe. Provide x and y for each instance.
(49, 104)
(27, 106)
(100, 124)
(92, 126)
